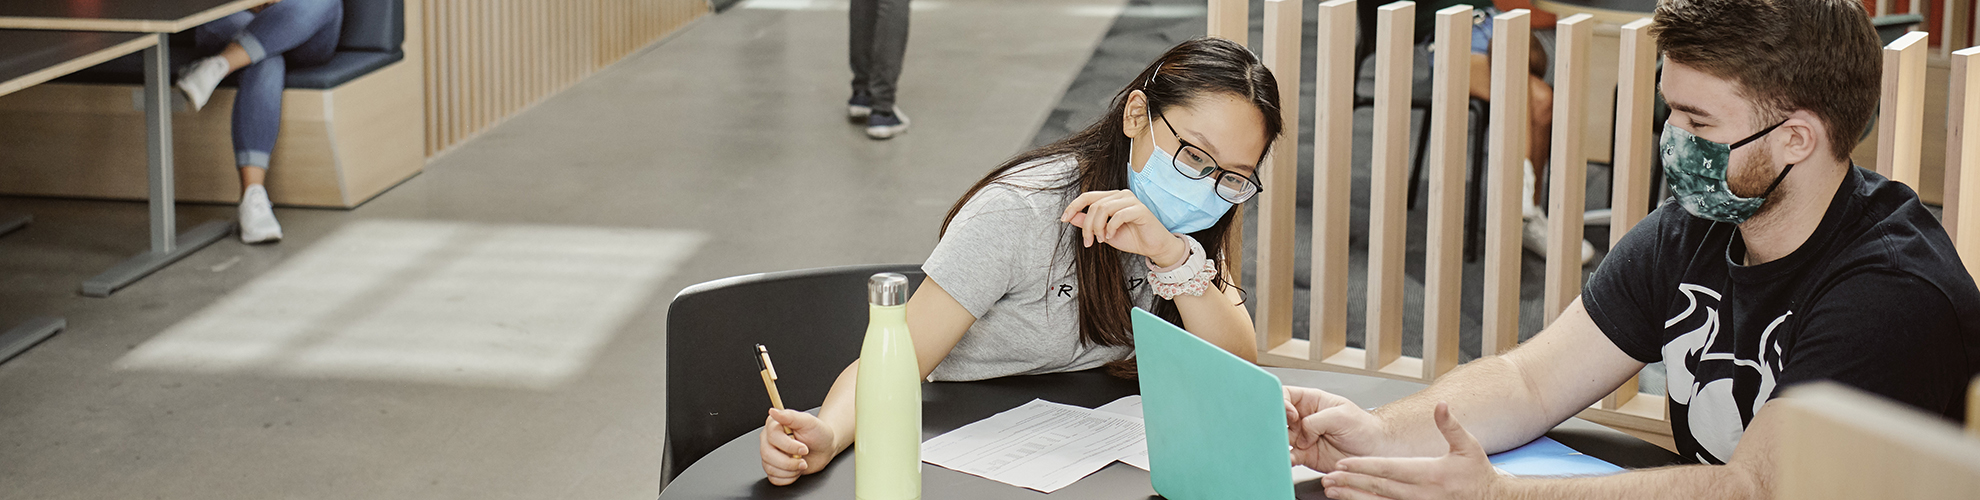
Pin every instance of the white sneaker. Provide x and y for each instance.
(258, 217)
(1534, 238)
(1527, 184)
(198, 80)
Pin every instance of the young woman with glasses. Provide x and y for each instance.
(1041, 260)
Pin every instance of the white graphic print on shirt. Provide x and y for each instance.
(1711, 411)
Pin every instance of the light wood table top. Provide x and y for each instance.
(138, 16)
(29, 57)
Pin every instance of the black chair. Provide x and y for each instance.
(812, 320)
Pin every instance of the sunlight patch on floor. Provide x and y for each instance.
(440, 302)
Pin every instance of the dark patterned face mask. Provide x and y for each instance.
(1696, 169)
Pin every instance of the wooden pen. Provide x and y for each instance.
(769, 373)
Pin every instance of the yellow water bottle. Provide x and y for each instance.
(887, 418)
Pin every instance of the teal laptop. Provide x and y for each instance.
(1216, 423)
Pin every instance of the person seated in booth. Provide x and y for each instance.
(1041, 260)
(1777, 262)
(1539, 102)
(261, 43)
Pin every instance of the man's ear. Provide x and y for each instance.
(1807, 136)
(1134, 118)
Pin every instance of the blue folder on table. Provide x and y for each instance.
(1547, 457)
(1216, 423)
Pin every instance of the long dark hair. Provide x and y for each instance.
(1194, 69)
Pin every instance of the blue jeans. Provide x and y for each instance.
(303, 32)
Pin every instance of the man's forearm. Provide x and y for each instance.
(1490, 397)
(1681, 482)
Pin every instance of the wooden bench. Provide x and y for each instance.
(351, 128)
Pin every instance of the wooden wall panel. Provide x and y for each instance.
(1443, 274)
(1903, 109)
(1333, 138)
(1502, 172)
(1962, 215)
(486, 60)
(1278, 204)
(1568, 171)
(1388, 212)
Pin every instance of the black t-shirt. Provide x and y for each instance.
(1875, 299)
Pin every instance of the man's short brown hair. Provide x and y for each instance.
(1783, 55)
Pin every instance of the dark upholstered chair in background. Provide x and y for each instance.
(812, 321)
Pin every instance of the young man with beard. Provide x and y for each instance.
(1778, 262)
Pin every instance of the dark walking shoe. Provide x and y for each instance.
(886, 125)
(859, 106)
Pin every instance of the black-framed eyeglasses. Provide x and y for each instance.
(1194, 163)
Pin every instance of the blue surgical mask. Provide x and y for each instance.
(1184, 205)
(1697, 170)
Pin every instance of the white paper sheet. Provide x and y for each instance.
(1130, 406)
(1041, 445)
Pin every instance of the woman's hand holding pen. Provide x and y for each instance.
(1118, 218)
(806, 449)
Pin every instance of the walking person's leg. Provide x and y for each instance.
(860, 20)
(890, 35)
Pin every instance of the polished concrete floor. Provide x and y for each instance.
(493, 328)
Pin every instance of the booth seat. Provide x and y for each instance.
(351, 128)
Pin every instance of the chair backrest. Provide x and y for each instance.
(1839, 442)
(374, 25)
(812, 321)
(1890, 27)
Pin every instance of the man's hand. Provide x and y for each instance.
(805, 450)
(1462, 473)
(1325, 428)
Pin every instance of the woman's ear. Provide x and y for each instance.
(1134, 116)
(1806, 137)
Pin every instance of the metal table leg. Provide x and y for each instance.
(167, 245)
(14, 223)
(28, 334)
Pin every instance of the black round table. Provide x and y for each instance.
(736, 471)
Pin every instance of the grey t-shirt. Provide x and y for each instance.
(1005, 259)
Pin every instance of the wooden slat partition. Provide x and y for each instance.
(1836, 442)
(1568, 171)
(1278, 204)
(1388, 212)
(1507, 146)
(1231, 20)
(1635, 92)
(1636, 89)
(1443, 274)
(1333, 135)
(1382, 355)
(1899, 124)
(489, 59)
(1962, 216)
